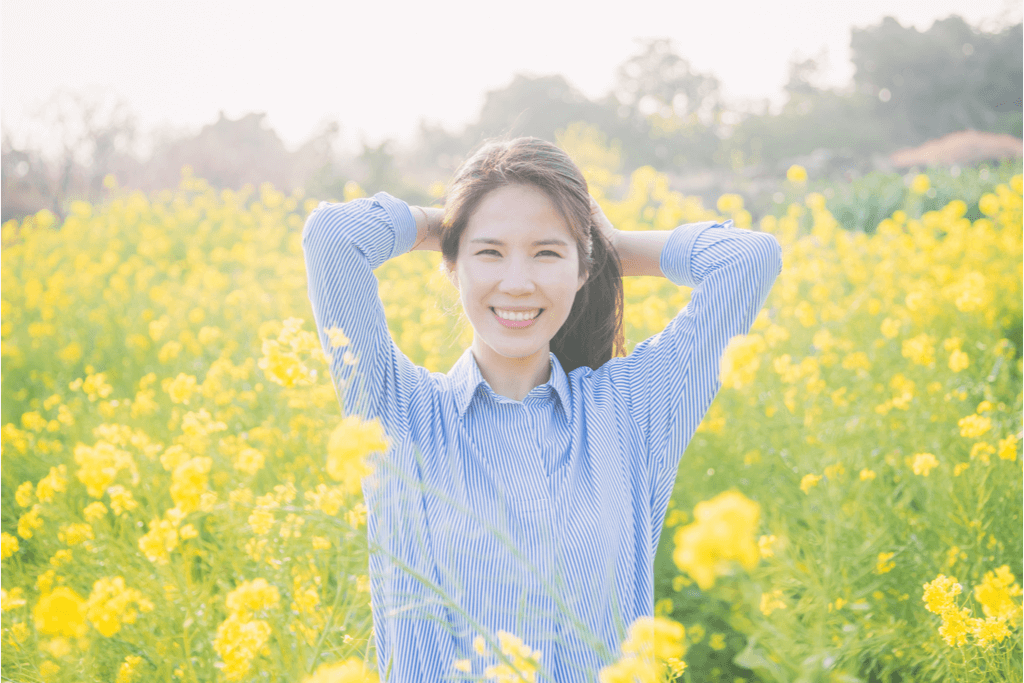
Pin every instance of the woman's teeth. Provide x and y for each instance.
(524, 315)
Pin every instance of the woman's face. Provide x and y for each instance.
(516, 257)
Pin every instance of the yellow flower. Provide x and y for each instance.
(337, 337)
(61, 613)
(181, 388)
(249, 460)
(717, 641)
(24, 494)
(740, 360)
(121, 500)
(349, 671)
(350, 444)
(809, 481)
(252, 596)
(53, 482)
(462, 665)
(161, 539)
(722, 533)
(996, 592)
(987, 630)
(867, 474)
(989, 204)
(958, 360)
(29, 522)
(8, 545)
(920, 184)
(891, 327)
(766, 545)
(884, 563)
(938, 593)
(974, 426)
(1007, 448)
(796, 174)
(920, 349)
(94, 511)
(73, 534)
(188, 482)
(110, 605)
(12, 600)
(239, 642)
(772, 601)
(924, 463)
(129, 667)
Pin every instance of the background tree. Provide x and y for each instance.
(951, 77)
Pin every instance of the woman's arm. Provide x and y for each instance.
(343, 244)
(639, 252)
(428, 224)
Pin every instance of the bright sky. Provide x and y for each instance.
(379, 67)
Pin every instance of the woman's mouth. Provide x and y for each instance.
(516, 319)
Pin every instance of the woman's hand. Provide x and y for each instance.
(603, 224)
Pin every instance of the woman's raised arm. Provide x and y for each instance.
(343, 244)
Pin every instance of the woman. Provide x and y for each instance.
(524, 491)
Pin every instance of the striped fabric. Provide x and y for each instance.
(538, 517)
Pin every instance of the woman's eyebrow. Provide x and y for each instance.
(550, 240)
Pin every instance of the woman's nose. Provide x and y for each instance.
(517, 278)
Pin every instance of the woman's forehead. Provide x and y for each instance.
(517, 214)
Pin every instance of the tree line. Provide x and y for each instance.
(908, 86)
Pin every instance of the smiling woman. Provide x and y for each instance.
(524, 491)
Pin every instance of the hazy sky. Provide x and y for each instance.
(379, 67)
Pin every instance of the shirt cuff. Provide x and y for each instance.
(402, 218)
(675, 255)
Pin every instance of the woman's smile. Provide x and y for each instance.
(516, 319)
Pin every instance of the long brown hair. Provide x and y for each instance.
(592, 334)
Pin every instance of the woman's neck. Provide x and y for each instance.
(512, 378)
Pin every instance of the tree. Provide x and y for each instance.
(951, 77)
(658, 81)
(75, 140)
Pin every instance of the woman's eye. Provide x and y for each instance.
(496, 253)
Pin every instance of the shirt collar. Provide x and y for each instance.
(465, 377)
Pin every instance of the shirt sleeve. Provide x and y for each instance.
(343, 243)
(670, 379)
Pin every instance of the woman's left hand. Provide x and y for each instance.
(603, 224)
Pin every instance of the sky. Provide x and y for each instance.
(379, 68)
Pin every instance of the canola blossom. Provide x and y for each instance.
(182, 496)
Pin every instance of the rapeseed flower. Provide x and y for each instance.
(973, 426)
(110, 605)
(996, 593)
(809, 481)
(349, 671)
(350, 444)
(924, 463)
(771, 602)
(722, 533)
(796, 174)
(61, 612)
(8, 545)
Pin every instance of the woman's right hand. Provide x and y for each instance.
(428, 227)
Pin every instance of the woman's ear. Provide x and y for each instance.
(450, 273)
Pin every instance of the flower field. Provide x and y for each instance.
(181, 496)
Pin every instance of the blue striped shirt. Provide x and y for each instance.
(538, 517)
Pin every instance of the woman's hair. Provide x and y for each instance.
(592, 334)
